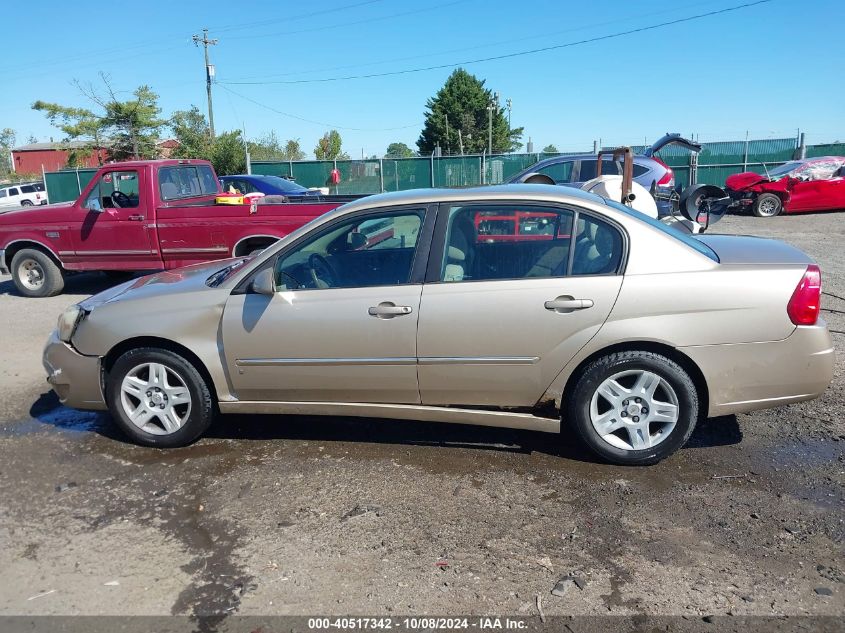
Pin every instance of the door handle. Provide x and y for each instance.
(567, 304)
(388, 310)
(136, 218)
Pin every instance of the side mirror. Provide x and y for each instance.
(94, 205)
(263, 283)
(357, 241)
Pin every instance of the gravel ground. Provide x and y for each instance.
(305, 515)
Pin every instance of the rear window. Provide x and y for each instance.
(689, 240)
(186, 181)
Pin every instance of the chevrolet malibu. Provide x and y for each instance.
(413, 306)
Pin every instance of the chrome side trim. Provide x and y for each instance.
(429, 360)
(3, 269)
(213, 249)
(119, 252)
(450, 415)
(273, 362)
(479, 360)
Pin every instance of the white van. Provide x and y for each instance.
(26, 195)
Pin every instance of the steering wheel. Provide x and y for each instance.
(322, 273)
(121, 199)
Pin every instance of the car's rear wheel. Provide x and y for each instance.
(35, 274)
(634, 408)
(767, 205)
(26, 203)
(158, 398)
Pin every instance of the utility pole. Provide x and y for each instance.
(494, 104)
(209, 74)
(447, 134)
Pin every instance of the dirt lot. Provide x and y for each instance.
(273, 515)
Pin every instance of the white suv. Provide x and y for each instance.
(25, 195)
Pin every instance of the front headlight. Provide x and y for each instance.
(68, 321)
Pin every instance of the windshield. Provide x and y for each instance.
(689, 240)
(777, 172)
(288, 186)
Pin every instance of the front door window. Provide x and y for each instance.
(363, 252)
(115, 190)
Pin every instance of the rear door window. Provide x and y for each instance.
(186, 181)
(561, 173)
(506, 241)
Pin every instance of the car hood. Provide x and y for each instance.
(737, 182)
(32, 215)
(671, 139)
(157, 285)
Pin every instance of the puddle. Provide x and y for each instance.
(62, 418)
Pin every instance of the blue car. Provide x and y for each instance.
(649, 171)
(268, 185)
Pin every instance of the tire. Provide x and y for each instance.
(177, 424)
(26, 203)
(35, 274)
(767, 205)
(622, 440)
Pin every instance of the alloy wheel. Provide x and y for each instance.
(634, 410)
(155, 398)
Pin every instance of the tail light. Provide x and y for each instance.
(803, 307)
(668, 179)
(38, 196)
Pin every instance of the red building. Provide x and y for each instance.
(32, 158)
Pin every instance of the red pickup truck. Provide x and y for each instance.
(142, 215)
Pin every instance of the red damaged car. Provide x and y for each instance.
(811, 184)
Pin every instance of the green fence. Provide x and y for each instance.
(66, 185)
(712, 165)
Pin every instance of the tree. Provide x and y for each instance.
(190, 128)
(329, 147)
(551, 149)
(132, 126)
(77, 124)
(293, 150)
(227, 153)
(269, 147)
(7, 142)
(463, 101)
(399, 150)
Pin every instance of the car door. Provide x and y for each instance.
(14, 198)
(502, 315)
(814, 188)
(342, 325)
(113, 232)
(5, 202)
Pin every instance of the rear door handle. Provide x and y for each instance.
(388, 310)
(136, 218)
(567, 304)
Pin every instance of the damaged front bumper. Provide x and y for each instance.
(74, 377)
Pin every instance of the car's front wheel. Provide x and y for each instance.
(634, 408)
(158, 398)
(767, 205)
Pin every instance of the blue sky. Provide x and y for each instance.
(768, 69)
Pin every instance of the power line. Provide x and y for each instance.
(438, 52)
(323, 123)
(509, 55)
(346, 25)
